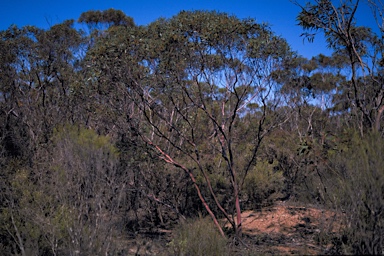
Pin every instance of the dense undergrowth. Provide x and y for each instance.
(123, 139)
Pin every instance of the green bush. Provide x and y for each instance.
(198, 237)
(357, 189)
(263, 184)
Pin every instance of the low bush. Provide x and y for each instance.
(263, 185)
(358, 192)
(198, 237)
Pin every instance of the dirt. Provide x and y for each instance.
(282, 229)
(287, 229)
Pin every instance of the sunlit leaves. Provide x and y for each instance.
(107, 18)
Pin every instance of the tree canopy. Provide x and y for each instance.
(124, 128)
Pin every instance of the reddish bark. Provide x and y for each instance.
(169, 159)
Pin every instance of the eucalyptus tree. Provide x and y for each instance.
(39, 77)
(205, 71)
(111, 67)
(38, 72)
(360, 45)
(102, 20)
(313, 94)
(184, 85)
(362, 95)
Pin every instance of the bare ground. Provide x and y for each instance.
(282, 229)
(286, 229)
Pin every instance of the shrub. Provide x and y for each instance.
(358, 190)
(263, 184)
(198, 237)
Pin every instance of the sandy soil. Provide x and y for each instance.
(287, 229)
(282, 229)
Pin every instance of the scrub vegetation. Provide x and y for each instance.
(172, 138)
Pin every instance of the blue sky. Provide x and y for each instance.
(280, 14)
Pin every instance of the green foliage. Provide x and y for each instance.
(221, 98)
(85, 140)
(84, 163)
(34, 217)
(359, 46)
(198, 237)
(263, 184)
(110, 17)
(357, 189)
(61, 206)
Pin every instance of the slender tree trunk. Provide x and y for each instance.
(169, 159)
(378, 118)
(208, 208)
(19, 239)
(238, 213)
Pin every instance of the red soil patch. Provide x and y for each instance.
(285, 219)
(284, 229)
